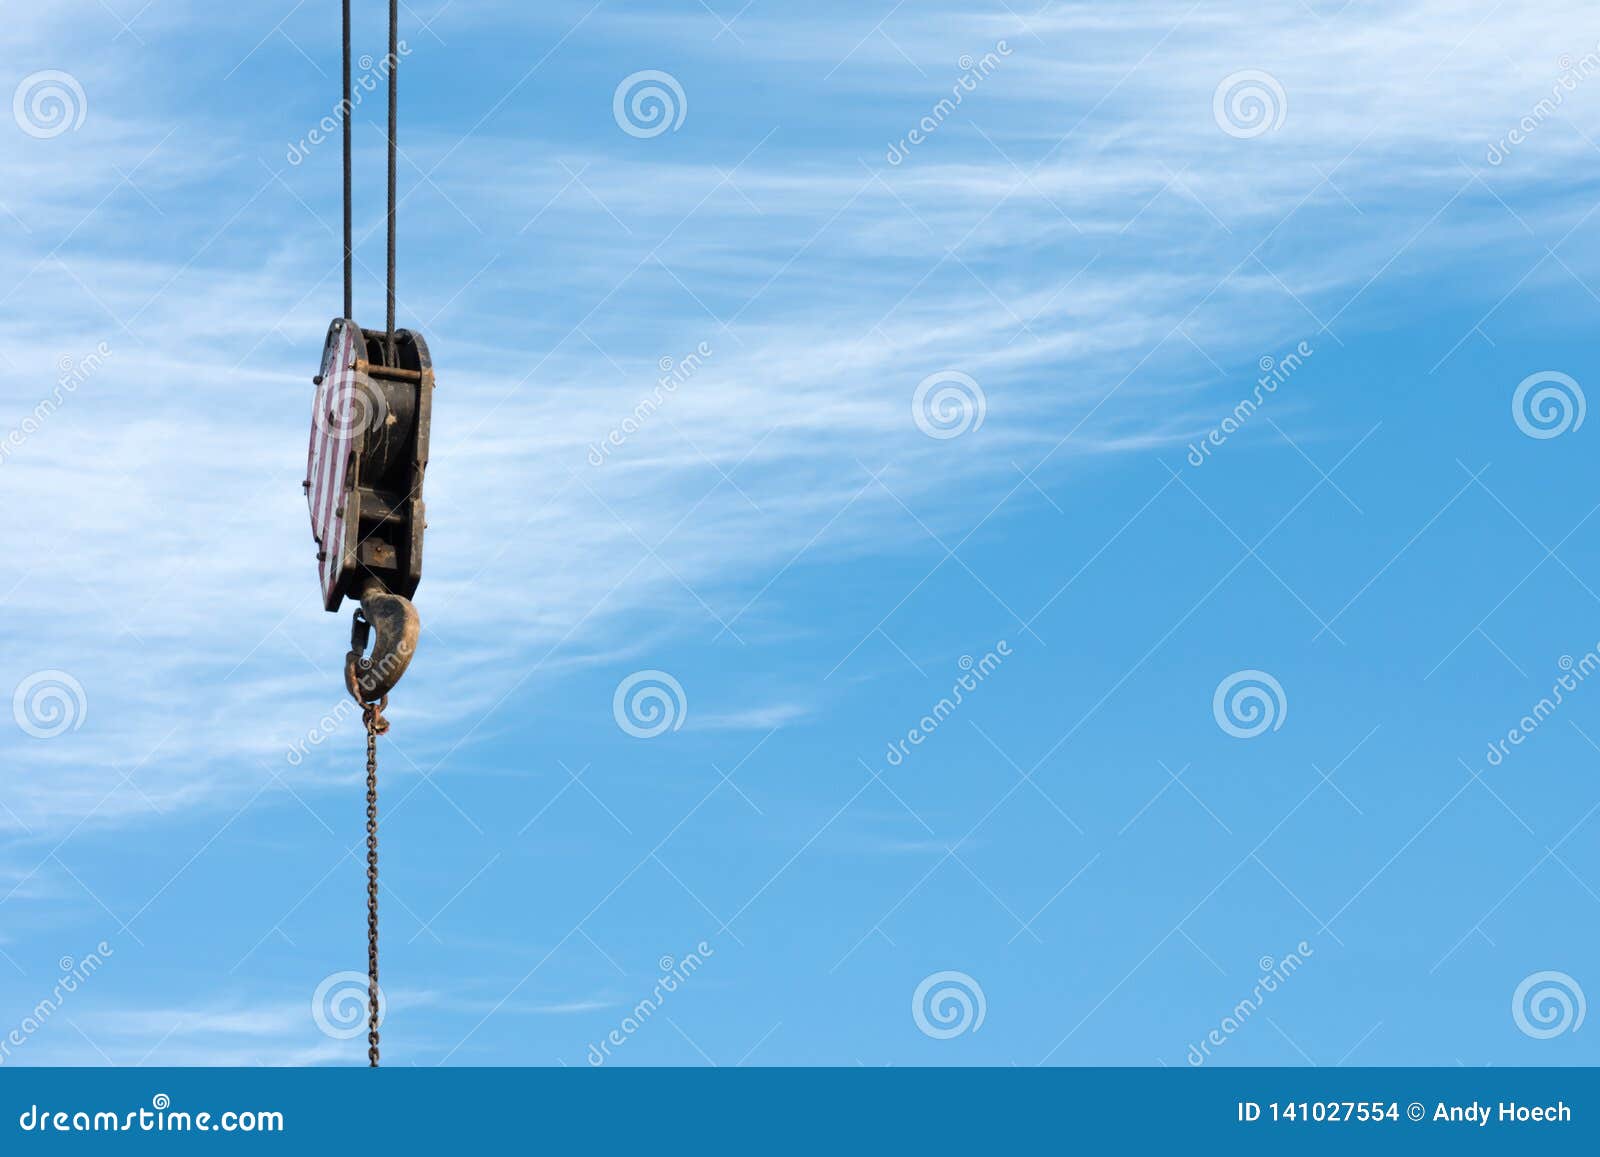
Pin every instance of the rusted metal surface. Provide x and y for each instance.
(370, 429)
(370, 678)
(331, 458)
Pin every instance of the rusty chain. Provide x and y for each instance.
(372, 714)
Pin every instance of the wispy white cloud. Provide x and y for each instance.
(763, 718)
(163, 557)
(274, 1032)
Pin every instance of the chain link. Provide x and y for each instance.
(376, 726)
(372, 714)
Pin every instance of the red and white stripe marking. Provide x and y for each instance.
(335, 431)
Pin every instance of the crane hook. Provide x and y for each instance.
(371, 678)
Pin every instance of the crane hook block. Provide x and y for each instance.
(370, 423)
(370, 678)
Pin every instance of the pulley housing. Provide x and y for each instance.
(371, 421)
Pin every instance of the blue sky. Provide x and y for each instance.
(1095, 249)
